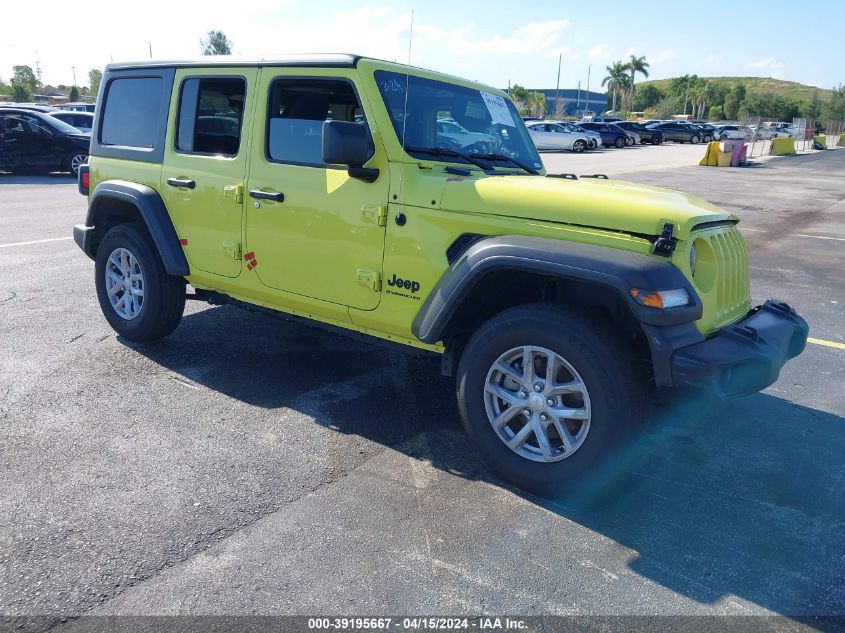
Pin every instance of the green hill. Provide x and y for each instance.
(757, 85)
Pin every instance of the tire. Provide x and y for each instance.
(656, 139)
(593, 144)
(723, 137)
(162, 297)
(620, 142)
(74, 162)
(579, 146)
(616, 395)
(694, 139)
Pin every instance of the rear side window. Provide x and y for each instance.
(296, 112)
(211, 115)
(130, 116)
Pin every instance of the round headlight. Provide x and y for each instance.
(692, 260)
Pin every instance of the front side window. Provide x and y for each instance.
(296, 112)
(132, 107)
(490, 123)
(211, 115)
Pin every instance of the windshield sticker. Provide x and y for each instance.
(498, 109)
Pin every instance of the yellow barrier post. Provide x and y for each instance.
(783, 146)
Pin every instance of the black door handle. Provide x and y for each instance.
(266, 195)
(179, 182)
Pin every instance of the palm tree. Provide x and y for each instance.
(626, 88)
(614, 78)
(637, 65)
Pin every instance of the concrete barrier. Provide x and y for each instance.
(783, 146)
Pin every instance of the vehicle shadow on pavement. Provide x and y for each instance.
(58, 178)
(743, 498)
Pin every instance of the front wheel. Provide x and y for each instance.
(656, 139)
(620, 143)
(694, 139)
(545, 393)
(579, 146)
(138, 298)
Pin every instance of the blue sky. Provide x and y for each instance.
(493, 42)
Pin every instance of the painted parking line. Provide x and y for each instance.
(821, 341)
(52, 239)
(819, 237)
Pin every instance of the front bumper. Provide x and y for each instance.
(745, 357)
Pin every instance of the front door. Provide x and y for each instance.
(205, 164)
(311, 229)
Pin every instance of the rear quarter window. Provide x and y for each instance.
(131, 112)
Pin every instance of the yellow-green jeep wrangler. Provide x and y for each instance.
(413, 206)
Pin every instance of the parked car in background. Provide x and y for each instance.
(731, 132)
(600, 119)
(37, 107)
(82, 121)
(774, 129)
(553, 135)
(453, 135)
(593, 137)
(31, 140)
(610, 137)
(680, 132)
(77, 106)
(631, 138)
(646, 135)
(708, 132)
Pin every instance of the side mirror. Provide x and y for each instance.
(349, 144)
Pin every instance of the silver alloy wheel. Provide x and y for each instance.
(76, 162)
(537, 404)
(124, 283)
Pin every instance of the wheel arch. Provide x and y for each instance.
(119, 201)
(501, 272)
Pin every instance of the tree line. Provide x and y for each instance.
(718, 100)
(26, 82)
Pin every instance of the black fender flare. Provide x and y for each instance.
(611, 268)
(151, 208)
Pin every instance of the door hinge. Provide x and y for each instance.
(370, 279)
(375, 213)
(235, 191)
(233, 249)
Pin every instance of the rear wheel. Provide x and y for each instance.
(694, 139)
(138, 298)
(620, 142)
(656, 139)
(579, 146)
(545, 393)
(74, 162)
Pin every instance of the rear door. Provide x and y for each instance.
(205, 164)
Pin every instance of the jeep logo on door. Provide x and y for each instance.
(403, 284)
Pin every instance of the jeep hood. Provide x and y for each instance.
(606, 204)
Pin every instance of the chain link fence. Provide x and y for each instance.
(834, 132)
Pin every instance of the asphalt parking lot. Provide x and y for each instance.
(249, 465)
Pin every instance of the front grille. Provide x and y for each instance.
(733, 288)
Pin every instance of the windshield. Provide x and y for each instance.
(61, 126)
(446, 116)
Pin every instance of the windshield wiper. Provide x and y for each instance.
(440, 151)
(502, 157)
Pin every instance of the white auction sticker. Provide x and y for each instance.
(498, 109)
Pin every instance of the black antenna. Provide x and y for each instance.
(405, 107)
